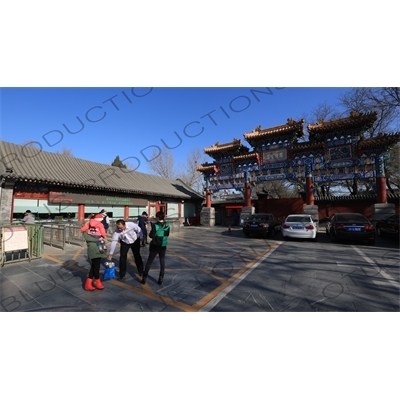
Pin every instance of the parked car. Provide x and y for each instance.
(351, 227)
(261, 224)
(388, 226)
(300, 226)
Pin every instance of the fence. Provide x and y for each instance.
(73, 235)
(35, 245)
(57, 235)
(54, 235)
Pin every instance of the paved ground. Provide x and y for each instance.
(216, 270)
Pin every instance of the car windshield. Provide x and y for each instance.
(298, 218)
(258, 218)
(351, 218)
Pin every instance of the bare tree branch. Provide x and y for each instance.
(162, 163)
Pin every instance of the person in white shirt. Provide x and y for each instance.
(129, 235)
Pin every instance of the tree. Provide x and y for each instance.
(188, 172)
(277, 189)
(388, 97)
(365, 100)
(31, 144)
(163, 163)
(393, 170)
(66, 152)
(324, 111)
(118, 163)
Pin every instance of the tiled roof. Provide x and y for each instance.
(31, 164)
(292, 126)
(210, 168)
(248, 156)
(298, 147)
(357, 197)
(382, 140)
(354, 121)
(206, 168)
(236, 144)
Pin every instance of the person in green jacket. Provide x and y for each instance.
(95, 257)
(159, 233)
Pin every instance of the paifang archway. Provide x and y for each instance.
(336, 150)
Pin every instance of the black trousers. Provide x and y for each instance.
(161, 251)
(95, 268)
(136, 255)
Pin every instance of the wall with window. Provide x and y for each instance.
(42, 209)
(173, 210)
(134, 212)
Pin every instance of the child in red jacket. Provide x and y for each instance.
(96, 229)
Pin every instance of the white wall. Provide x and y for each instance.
(172, 210)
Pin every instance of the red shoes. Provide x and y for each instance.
(97, 284)
(89, 284)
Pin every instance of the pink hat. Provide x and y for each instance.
(98, 216)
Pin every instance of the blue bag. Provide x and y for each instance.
(109, 270)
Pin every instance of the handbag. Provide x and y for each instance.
(109, 270)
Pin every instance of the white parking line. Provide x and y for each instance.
(389, 278)
(211, 304)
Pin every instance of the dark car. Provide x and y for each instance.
(261, 225)
(389, 226)
(351, 227)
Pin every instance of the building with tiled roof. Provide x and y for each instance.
(219, 150)
(354, 124)
(291, 131)
(30, 174)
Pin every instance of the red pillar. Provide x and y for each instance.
(126, 212)
(309, 191)
(208, 198)
(81, 212)
(12, 208)
(381, 190)
(248, 194)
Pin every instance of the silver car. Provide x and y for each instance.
(300, 226)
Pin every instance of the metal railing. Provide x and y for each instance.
(57, 235)
(73, 235)
(54, 235)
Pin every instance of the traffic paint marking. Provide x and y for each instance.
(389, 278)
(207, 302)
(56, 260)
(212, 299)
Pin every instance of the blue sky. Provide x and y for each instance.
(100, 123)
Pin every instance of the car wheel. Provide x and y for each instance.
(315, 239)
(246, 234)
(371, 242)
(333, 237)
